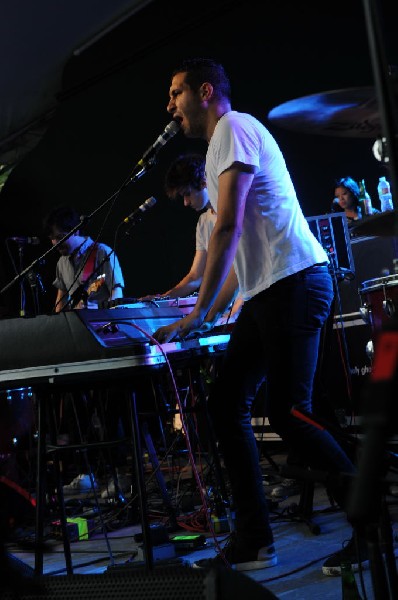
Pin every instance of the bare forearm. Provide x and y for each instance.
(220, 257)
(60, 300)
(224, 298)
(186, 286)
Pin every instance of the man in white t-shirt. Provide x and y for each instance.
(186, 178)
(284, 280)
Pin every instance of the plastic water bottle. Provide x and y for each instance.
(384, 191)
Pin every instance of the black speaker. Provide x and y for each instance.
(163, 583)
(349, 364)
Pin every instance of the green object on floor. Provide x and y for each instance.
(82, 526)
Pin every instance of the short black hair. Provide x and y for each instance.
(187, 170)
(62, 217)
(199, 70)
(351, 185)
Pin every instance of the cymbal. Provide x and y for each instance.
(351, 112)
(384, 224)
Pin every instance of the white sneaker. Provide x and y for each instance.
(287, 487)
(80, 484)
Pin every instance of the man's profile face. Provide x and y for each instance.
(67, 247)
(196, 199)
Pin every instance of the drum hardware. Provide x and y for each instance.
(369, 348)
(379, 150)
(379, 300)
(389, 307)
(379, 305)
(365, 312)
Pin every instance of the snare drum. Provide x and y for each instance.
(379, 300)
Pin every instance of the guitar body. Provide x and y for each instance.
(92, 288)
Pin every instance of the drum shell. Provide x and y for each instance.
(379, 300)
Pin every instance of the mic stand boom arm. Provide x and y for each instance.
(42, 257)
(131, 179)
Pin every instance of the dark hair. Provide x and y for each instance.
(187, 170)
(199, 70)
(62, 217)
(351, 185)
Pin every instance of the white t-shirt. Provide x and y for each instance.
(276, 239)
(204, 227)
(68, 266)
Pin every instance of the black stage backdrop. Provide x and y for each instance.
(113, 106)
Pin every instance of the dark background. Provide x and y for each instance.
(113, 106)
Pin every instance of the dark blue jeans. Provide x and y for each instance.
(276, 336)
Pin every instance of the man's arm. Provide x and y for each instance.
(223, 301)
(61, 300)
(234, 184)
(111, 268)
(188, 284)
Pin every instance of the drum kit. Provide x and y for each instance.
(351, 112)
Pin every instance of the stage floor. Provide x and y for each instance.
(301, 552)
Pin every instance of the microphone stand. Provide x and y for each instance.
(22, 289)
(138, 171)
(36, 285)
(369, 507)
(385, 92)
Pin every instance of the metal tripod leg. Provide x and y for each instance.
(212, 443)
(159, 477)
(40, 484)
(43, 409)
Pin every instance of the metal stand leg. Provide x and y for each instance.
(139, 470)
(212, 444)
(44, 400)
(60, 492)
(159, 477)
(40, 484)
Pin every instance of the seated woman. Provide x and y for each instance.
(347, 199)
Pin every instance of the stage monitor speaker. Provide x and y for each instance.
(331, 231)
(345, 383)
(163, 583)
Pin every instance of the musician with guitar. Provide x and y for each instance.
(87, 273)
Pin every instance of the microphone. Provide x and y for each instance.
(336, 206)
(25, 240)
(136, 215)
(170, 130)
